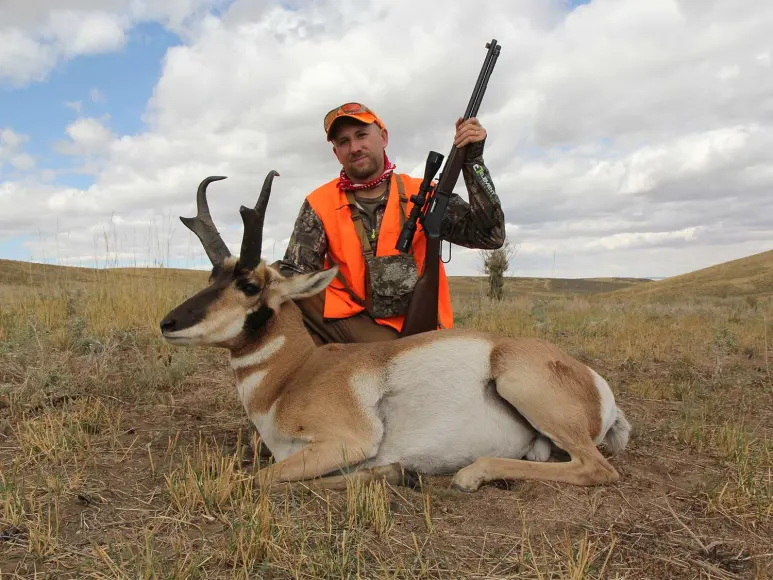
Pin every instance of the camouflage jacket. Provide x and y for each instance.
(477, 224)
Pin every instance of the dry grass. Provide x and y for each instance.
(466, 287)
(750, 276)
(121, 457)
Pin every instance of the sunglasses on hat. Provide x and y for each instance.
(354, 110)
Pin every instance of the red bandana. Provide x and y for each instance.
(345, 184)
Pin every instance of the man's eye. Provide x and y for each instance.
(250, 289)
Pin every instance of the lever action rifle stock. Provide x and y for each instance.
(429, 208)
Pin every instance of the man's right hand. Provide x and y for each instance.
(469, 131)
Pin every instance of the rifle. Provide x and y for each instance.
(429, 208)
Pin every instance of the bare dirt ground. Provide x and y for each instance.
(122, 457)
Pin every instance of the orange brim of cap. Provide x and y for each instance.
(365, 117)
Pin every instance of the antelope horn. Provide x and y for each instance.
(252, 239)
(203, 226)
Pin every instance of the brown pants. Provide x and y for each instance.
(358, 328)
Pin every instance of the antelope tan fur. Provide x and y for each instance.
(445, 401)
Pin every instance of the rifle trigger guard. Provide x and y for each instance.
(441, 252)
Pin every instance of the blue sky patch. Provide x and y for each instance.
(14, 249)
(118, 84)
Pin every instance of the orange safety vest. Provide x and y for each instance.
(345, 248)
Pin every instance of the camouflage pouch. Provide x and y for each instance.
(392, 279)
(389, 280)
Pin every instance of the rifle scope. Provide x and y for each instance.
(434, 160)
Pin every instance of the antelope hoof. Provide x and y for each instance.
(540, 450)
(466, 480)
(410, 479)
(262, 451)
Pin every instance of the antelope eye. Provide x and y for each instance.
(250, 289)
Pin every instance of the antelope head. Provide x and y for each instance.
(243, 294)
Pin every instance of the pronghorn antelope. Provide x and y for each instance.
(446, 401)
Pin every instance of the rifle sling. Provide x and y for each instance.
(367, 249)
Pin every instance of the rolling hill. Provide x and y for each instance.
(19, 277)
(473, 286)
(748, 276)
(14, 272)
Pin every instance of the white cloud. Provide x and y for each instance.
(87, 136)
(625, 138)
(81, 33)
(22, 162)
(10, 140)
(96, 95)
(22, 59)
(627, 240)
(36, 36)
(10, 151)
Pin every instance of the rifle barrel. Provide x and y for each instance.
(475, 99)
(483, 76)
(453, 166)
(488, 69)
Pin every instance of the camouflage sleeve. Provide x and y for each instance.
(481, 222)
(307, 246)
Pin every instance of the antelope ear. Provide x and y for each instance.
(303, 285)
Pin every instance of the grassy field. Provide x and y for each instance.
(750, 276)
(123, 457)
(468, 287)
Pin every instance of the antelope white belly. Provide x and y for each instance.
(440, 412)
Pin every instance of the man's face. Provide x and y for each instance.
(360, 148)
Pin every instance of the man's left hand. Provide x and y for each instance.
(469, 131)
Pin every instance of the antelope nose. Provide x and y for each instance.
(168, 324)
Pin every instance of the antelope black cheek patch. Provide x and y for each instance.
(255, 322)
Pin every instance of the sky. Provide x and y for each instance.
(625, 138)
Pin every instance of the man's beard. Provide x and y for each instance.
(363, 171)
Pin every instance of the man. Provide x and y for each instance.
(355, 220)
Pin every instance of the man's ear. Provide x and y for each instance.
(301, 286)
(335, 152)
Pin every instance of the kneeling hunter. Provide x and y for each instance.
(355, 219)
